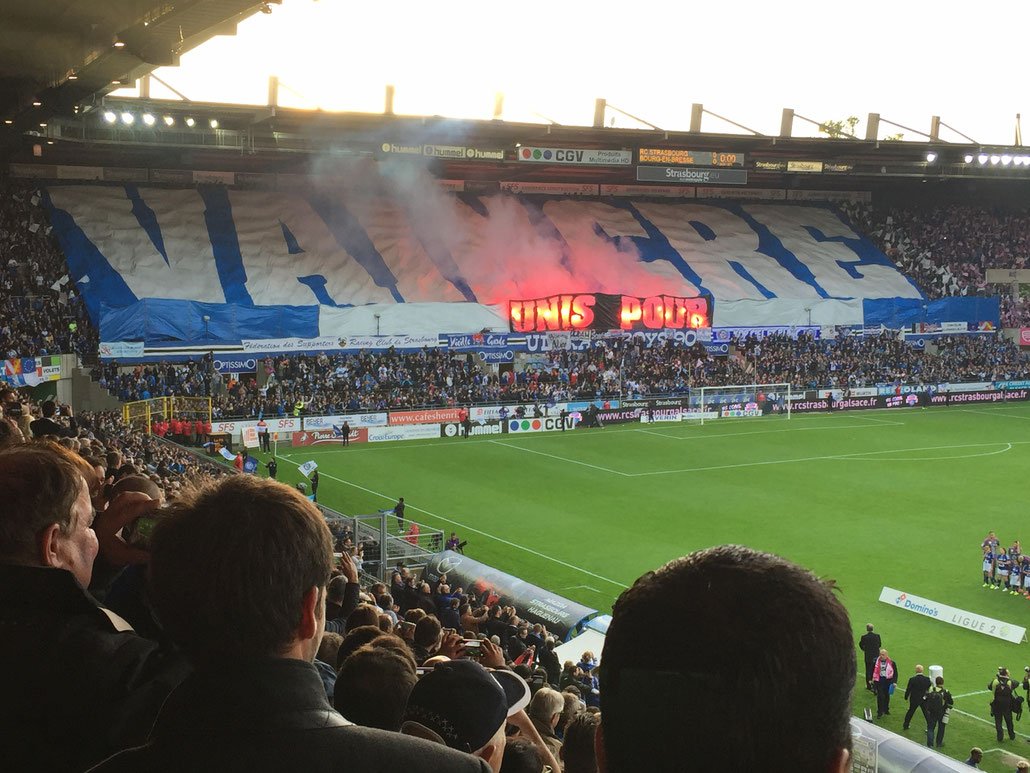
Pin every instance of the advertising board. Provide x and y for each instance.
(544, 424)
(354, 419)
(427, 416)
(487, 428)
(404, 432)
(328, 437)
(233, 427)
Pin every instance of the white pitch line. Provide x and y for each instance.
(858, 457)
(846, 457)
(995, 412)
(473, 530)
(971, 694)
(559, 458)
(985, 721)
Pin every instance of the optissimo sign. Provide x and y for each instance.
(600, 311)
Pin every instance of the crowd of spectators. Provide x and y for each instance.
(947, 250)
(333, 384)
(43, 312)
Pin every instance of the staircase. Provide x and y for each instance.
(89, 395)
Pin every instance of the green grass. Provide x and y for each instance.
(899, 498)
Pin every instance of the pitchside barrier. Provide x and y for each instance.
(700, 405)
(971, 621)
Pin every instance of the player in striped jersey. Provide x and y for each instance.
(988, 566)
(1003, 564)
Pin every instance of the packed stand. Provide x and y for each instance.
(947, 250)
(43, 312)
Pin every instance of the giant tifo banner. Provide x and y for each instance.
(601, 311)
(313, 249)
(490, 586)
(31, 371)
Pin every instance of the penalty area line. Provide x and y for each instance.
(474, 530)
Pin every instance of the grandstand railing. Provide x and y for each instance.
(141, 414)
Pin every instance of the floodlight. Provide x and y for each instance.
(148, 119)
(110, 116)
(128, 118)
(169, 121)
(982, 159)
(119, 44)
(190, 122)
(214, 123)
(995, 159)
(931, 157)
(1006, 160)
(968, 158)
(36, 103)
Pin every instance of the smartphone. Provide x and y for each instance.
(473, 647)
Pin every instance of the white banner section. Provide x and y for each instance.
(960, 617)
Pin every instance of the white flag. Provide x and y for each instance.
(307, 468)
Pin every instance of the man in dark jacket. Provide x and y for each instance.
(914, 692)
(47, 425)
(256, 703)
(76, 684)
(870, 646)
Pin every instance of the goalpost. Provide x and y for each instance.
(739, 401)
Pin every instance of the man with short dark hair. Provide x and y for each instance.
(76, 684)
(239, 575)
(1003, 689)
(47, 425)
(870, 646)
(775, 700)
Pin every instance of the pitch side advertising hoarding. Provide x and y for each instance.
(403, 432)
(427, 416)
(354, 419)
(488, 428)
(318, 437)
(544, 424)
(274, 425)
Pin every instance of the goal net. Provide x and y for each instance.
(744, 401)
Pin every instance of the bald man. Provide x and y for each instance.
(914, 692)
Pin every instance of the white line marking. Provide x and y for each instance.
(845, 457)
(472, 529)
(971, 694)
(985, 721)
(559, 458)
(576, 587)
(856, 457)
(995, 412)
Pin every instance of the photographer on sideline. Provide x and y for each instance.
(1003, 703)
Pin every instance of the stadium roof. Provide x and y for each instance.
(62, 52)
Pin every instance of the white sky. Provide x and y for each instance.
(906, 59)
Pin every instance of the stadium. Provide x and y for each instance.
(531, 360)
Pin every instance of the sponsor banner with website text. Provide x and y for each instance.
(319, 437)
(952, 615)
(354, 419)
(427, 416)
(404, 432)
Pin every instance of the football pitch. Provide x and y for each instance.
(899, 498)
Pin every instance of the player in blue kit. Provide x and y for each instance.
(1003, 565)
(1026, 576)
(1015, 574)
(988, 566)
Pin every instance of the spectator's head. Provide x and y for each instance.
(337, 586)
(49, 409)
(577, 749)
(48, 514)
(365, 614)
(521, 756)
(219, 543)
(702, 660)
(573, 707)
(546, 706)
(373, 685)
(976, 754)
(869, 627)
(461, 704)
(356, 638)
(329, 647)
(428, 633)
